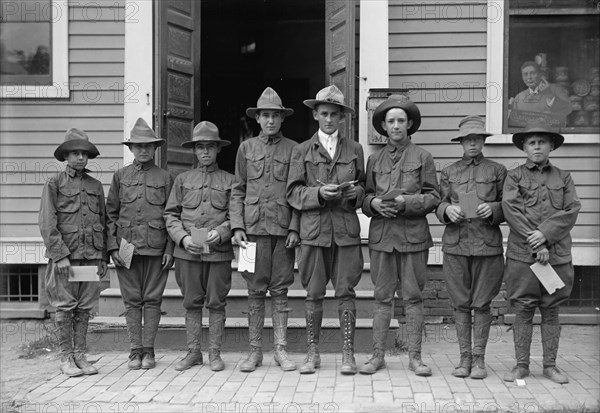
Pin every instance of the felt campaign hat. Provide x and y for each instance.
(142, 133)
(397, 101)
(538, 125)
(76, 140)
(269, 99)
(471, 125)
(206, 132)
(331, 95)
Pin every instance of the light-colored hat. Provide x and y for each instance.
(76, 140)
(539, 125)
(331, 95)
(142, 133)
(397, 101)
(471, 125)
(269, 100)
(206, 132)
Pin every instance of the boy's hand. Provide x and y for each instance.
(543, 256)
(454, 213)
(117, 260)
(102, 268)
(167, 261)
(292, 240)
(190, 246)
(239, 238)
(213, 238)
(329, 192)
(63, 267)
(484, 210)
(536, 239)
(386, 209)
(349, 192)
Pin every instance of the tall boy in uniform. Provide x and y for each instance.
(472, 246)
(260, 213)
(399, 238)
(135, 205)
(329, 226)
(200, 200)
(72, 223)
(541, 207)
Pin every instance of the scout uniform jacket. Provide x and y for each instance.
(321, 221)
(72, 217)
(411, 169)
(135, 205)
(200, 198)
(474, 236)
(258, 201)
(543, 199)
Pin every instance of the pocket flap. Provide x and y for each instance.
(68, 229)
(283, 202)
(251, 200)
(98, 227)
(411, 166)
(122, 223)
(528, 184)
(157, 224)
(68, 191)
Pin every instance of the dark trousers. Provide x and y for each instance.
(405, 271)
(67, 295)
(273, 268)
(203, 283)
(473, 282)
(342, 265)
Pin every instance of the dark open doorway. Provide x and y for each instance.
(248, 45)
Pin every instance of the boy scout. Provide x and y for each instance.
(541, 206)
(200, 199)
(135, 205)
(329, 227)
(399, 238)
(260, 213)
(472, 247)
(72, 223)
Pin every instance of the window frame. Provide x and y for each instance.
(59, 88)
(497, 80)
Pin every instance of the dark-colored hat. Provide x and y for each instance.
(538, 125)
(269, 100)
(331, 95)
(397, 101)
(76, 140)
(471, 125)
(206, 132)
(142, 133)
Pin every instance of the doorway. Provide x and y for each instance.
(247, 45)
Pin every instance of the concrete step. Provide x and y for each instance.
(109, 333)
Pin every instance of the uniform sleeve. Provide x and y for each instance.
(562, 222)
(370, 189)
(238, 191)
(170, 247)
(172, 213)
(56, 249)
(105, 255)
(299, 195)
(513, 206)
(429, 198)
(295, 221)
(497, 215)
(113, 207)
(224, 228)
(445, 195)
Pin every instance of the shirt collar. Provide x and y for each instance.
(531, 165)
(265, 138)
(400, 147)
(323, 135)
(72, 171)
(210, 168)
(144, 166)
(477, 160)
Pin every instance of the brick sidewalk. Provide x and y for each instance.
(268, 389)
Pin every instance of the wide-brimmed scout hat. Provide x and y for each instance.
(76, 140)
(205, 132)
(471, 125)
(397, 101)
(142, 133)
(539, 125)
(269, 100)
(331, 95)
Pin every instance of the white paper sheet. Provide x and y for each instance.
(85, 273)
(547, 276)
(247, 257)
(126, 252)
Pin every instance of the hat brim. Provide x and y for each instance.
(251, 112)
(519, 137)
(411, 109)
(76, 145)
(220, 142)
(311, 103)
(158, 142)
(471, 132)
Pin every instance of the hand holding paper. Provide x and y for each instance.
(468, 204)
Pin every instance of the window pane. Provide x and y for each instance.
(25, 52)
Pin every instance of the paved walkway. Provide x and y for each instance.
(268, 389)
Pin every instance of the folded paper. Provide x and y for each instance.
(126, 252)
(86, 273)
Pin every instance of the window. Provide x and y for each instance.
(33, 49)
(19, 283)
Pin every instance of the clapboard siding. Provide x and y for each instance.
(438, 50)
(30, 129)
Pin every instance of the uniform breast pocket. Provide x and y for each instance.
(156, 193)
(68, 200)
(529, 192)
(486, 189)
(556, 192)
(219, 196)
(411, 177)
(255, 166)
(98, 237)
(383, 181)
(94, 200)
(281, 168)
(458, 184)
(346, 169)
(313, 171)
(128, 192)
(191, 198)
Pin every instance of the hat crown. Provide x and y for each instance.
(472, 122)
(75, 134)
(269, 99)
(540, 125)
(331, 94)
(205, 130)
(142, 133)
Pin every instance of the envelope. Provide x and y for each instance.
(84, 273)
(547, 276)
(247, 257)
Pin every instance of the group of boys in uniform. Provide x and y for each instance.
(285, 194)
